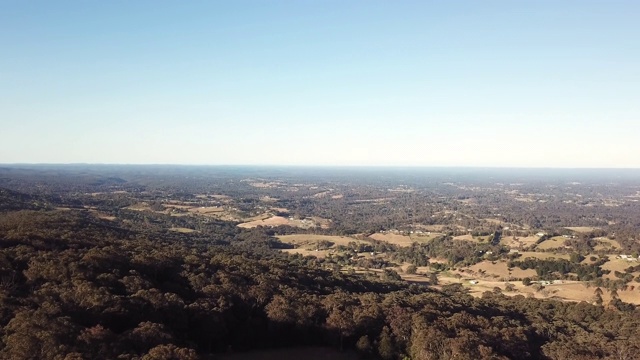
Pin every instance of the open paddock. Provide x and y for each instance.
(542, 255)
(471, 238)
(499, 269)
(620, 265)
(320, 254)
(555, 242)
(518, 241)
(425, 237)
(206, 210)
(182, 230)
(272, 221)
(394, 239)
(101, 215)
(606, 244)
(301, 240)
(581, 229)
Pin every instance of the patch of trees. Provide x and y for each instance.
(560, 268)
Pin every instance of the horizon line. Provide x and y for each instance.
(322, 166)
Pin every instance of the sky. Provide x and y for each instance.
(389, 83)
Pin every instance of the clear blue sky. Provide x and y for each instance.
(426, 83)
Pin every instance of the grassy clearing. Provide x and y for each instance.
(272, 221)
(499, 270)
(542, 255)
(395, 239)
(320, 254)
(581, 229)
(434, 228)
(424, 238)
(552, 243)
(206, 210)
(312, 239)
(606, 244)
(182, 230)
(519, 241)
(102, 216)
(617, 265)
(471, 238)
(306, 244)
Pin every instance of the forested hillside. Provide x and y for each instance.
(77, 287)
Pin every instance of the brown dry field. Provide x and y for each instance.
(469, 237)
(521, 241)
(265, 220)
(566, 291)
(306, 243)
(311, 239)
(606, 244)
(320, 254)
(214, 196)
(178, 206)
(102, 216)
(272, 221)
(182, 230)
(552, 243)
(617, 265)
(581, 229)
(574, 291)
(542, 255)
(324, 223)
(421, 238)
(496, 274)
(500, 270)
(206, 210)
(394, 239)
(321, 194)
(139, 207)
(494, 221)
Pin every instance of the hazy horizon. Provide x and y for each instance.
(320, 166)
(500, 84)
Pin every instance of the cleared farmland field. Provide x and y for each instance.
(552, 243)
